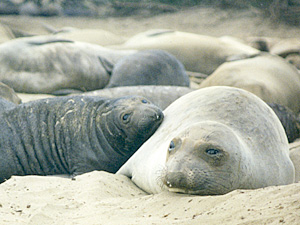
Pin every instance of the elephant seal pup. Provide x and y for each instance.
(49, 65)
(198, 53)
(266, 75)
(74, 135)
(161, 96)
(148, 67)
(212, 141)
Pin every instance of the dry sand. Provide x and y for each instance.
(103, 198)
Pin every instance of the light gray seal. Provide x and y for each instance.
(51, 65)
(212, 141)
(270, 77)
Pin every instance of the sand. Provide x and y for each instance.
(103, 198)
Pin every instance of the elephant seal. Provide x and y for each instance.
(148, 67)
(289, 121)
(48, 65)
(198, 53)
(74, 134)
(162, 96)
(265, 75)
(295, 157)
(212, 141)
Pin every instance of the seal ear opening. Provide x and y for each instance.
(108, 66)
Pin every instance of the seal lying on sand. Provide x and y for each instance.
(198, 53)
(49, 64)
(268, 76)
(295, 157)
(162, 96)
(74, 135)
(148, 67)
(212, 141)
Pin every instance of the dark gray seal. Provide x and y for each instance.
(74, 135)
(149, 67)
(48, 65)
(162, 96)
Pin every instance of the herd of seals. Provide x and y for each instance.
(131, 107)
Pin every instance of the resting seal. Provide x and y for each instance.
(212, 141)
(148, 67)
(49, 65)
(198, 53)
(266, 75)
(295, 157)
(74, 135)
(162, 96)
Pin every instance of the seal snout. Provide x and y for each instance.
(176, 181)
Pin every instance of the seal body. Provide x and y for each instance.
(268, 76)
(49, 64)
(161, 95)
(74, 135)
(212, 141)
(198, 53)
(148, 67)
(9, 94)
(295, 157)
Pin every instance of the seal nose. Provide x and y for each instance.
(159, 116)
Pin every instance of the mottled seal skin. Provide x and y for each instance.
(270, 77)
(198, 53)
(149, 67)
(48, 65)
(212, 141)
(289, 121)
(162, 96)
(74, 135)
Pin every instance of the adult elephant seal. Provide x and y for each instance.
(268, 76)
(212, 141)
(74, 135)
(162, 96)
(49, 65)
(149, 67)
(198, 53)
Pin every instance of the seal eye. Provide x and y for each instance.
(212, 151)
(172, 146)
(144, 101)
(125, 117)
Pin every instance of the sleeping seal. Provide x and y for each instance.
(50, 65)
(74, 135)
(212, 141)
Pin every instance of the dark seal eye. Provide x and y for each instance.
(172, 146)
(125, 117)
(144, 101)
(212, 151)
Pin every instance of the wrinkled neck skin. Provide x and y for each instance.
(54, 137)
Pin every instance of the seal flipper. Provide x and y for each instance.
(49, 41)
(108, 66)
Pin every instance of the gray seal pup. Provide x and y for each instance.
(198, 53)
(50, 65)
(74, 134)
(212, 141)
(162, 96)
(270, 77)
(148, 67)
